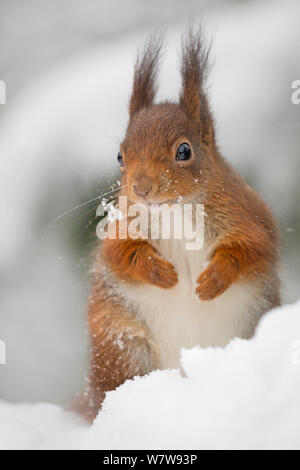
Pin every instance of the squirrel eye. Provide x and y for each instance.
(183, 152)
(120, 159)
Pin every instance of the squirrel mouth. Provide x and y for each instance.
(157, 204)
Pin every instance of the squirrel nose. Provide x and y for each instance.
(142, 185)
(142, 191)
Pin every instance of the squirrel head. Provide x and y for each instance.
(168, 147)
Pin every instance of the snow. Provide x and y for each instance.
(245, 396)
(40, 426)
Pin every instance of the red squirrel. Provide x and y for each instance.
(150, 298)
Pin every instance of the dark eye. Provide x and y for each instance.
(120, 159)
(183, 152)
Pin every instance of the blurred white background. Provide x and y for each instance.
(68, 70)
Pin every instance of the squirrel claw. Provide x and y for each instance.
(162, 273)
(211, 284)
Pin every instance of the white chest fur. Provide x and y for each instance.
(177, 318)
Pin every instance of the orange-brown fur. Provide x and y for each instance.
(240, 227)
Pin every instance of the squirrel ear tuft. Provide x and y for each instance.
(194, 71)
(145, 72)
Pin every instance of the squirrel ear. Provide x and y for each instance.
(194, 69)
(144, 83)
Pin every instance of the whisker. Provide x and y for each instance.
(85, 225)
(107, 136)
(68, 211)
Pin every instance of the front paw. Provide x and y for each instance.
(160, 272)
(211, 283)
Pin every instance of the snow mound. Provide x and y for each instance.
(245, 396)
(41, 426)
